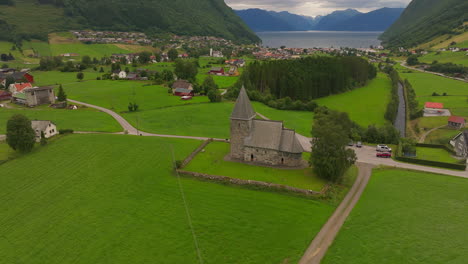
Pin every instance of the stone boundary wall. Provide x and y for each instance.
(266, 185)
(186, 161)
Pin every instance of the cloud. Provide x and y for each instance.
(315, 7)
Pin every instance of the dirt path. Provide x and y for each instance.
(424, 136)
(327, 234)
(403, 64)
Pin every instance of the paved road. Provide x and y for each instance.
(403, 64)
(128, 127)
(2, 137)
(367, 155)
(327, 234)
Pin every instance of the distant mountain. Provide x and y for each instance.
(297, 22)
(261, 20)
(201, 17)
(377, 20)
(328, 22)
(424, 20)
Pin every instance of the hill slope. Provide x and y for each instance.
(424, 20)
(377, 20)
(202, 17)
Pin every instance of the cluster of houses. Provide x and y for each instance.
(176, 41)
(88, 36)
(22, 91)
(433, 109)
(132, 76)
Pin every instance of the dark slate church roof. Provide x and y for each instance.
(265, 134)
(243, 109)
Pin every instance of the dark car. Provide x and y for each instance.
(384, 155)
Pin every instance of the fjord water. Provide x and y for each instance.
(319, 39)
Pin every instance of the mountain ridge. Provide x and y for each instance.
(184, 17)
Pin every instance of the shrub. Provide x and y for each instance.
(65, 131)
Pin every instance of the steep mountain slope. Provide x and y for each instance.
(378, 20)
(424, 20)
(329, 21)
(201, 17)
(262, 20)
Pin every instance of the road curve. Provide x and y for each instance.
(128, 127)
(327, 234)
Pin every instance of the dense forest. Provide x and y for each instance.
(308, 78)
(424, 20)
(201, 17)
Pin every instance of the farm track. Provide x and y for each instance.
(319, 246)
(403, 64)
(424, 136)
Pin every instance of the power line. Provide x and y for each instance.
(187, 212)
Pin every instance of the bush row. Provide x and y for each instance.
(452, 166)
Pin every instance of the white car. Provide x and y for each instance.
(383, 148)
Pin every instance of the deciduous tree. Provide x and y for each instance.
(20, 135)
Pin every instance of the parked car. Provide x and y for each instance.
(359, 144)
(351, 144)
(383, 148)
(384, 155)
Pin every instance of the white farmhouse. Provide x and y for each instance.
(39, 126)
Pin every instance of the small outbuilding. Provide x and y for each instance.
(5, 95)
(217, 71)
(183, 92)
(456, 122)
(182, 84)
(42, 126)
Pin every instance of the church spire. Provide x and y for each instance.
(243, 109)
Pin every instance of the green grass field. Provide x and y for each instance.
(441, 136)
(212, 162)
(117, 95)
(376, 96)
(301, 121)
(5, 151)
(445, 57)
(202, 120)
(405, 217)
(113, 199)
(433, 121)
(434, 154)
(79, 120)
(425, 84)
(92, 50)
(45, 78)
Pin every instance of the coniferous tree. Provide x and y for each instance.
(61, 96)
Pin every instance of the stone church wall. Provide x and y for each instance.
(272, 157)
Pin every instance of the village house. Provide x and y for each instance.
(216, 71)
(47, 127)
(460, 144)
(5, 95)
(182, 84)
(35, 96)
(262, 141)
(19, 87)
(456, 122)
(120, 74)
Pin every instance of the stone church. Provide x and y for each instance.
(262, 141)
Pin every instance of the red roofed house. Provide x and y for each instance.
(216, 71)
(431, 108)
(434, 105)
(18, 87)
(456, 122)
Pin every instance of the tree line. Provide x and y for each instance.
(308, 78)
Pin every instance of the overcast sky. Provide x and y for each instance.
(315, 7)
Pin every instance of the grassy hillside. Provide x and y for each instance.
(424, 20)
(113, 199)
(203, 17)
(405, 217)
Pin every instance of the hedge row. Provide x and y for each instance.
(452, 166)
(444, 147)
